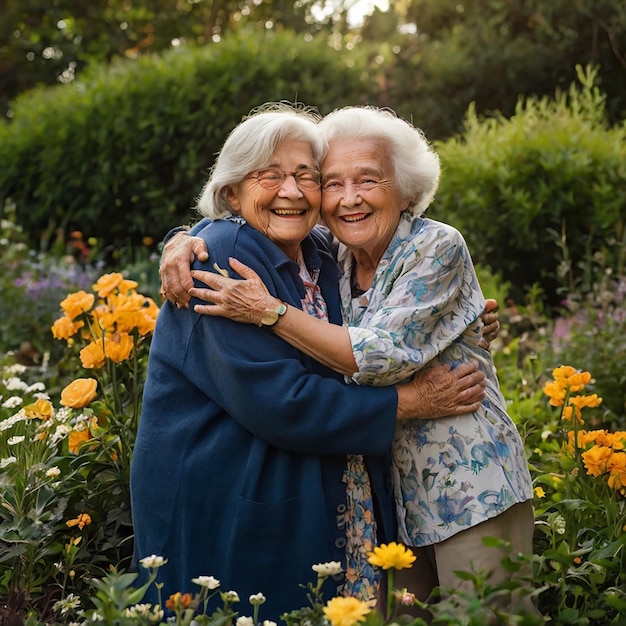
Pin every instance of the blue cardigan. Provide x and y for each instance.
(240, 452)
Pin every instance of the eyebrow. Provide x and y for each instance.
(360, 171)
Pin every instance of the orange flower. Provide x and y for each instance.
(178, 601)
(107, 283)
(77, 303)
(84, 519)
(118, 347)
(92, 355)
(616, 466)
(42, 409)
(64, 328)
(595, 459)
(79, 393)
(76, 438)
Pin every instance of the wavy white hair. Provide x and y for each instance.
(415, 164)
(250, 146)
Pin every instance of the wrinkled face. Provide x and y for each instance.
(361, 203)
(287, 213)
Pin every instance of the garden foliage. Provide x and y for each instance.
(539, 194)
(122, 153)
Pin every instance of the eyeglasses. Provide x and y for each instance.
(273, 178)
(362, 185)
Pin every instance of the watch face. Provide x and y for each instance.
(269, 317)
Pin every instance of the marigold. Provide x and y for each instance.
(79, 393)
(84, 519)
(344, 611)
(616, 466)
(178, 601)
(42, 409)
(391, 555)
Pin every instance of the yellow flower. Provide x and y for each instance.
(77, 303)
(346, 611)
(391, 555)
(563, 372)
(107, 283)
(92, 355)
(118, 347)
(590, 401)
(84, 519)
(556, 392)
(42, 409)
(79, 393)
(64, 328)
(539, 492)
(616, 466)
(595, 459)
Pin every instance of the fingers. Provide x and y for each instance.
(491, 305)
(199, 249)
(242, 269)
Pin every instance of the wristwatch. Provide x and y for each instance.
(271, 316)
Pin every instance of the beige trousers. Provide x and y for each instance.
(465, 551)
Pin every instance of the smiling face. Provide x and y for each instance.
(285, 215)
(361, 203)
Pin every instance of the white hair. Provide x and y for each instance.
(250, 147)
(415, 164)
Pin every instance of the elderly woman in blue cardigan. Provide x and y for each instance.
(240, 463)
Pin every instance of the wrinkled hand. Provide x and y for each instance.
(239, 300)
(175, 271)
(491, 324)
(441, 391)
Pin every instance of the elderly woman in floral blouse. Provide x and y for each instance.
(410, 298)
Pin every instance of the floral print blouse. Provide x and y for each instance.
(424, 307)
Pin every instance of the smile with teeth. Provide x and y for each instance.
(288, 211)
(355, 218)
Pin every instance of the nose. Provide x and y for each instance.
(289, 188)
(350, 194)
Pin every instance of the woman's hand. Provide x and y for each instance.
(441, 391)
(175, 271)
(239, 300)
(491, 325)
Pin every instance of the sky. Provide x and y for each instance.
(359, 9)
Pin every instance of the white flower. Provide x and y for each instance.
(268, 622)
(20, 416)
(12, 402)
(13, 441)
(206, 581)
(244, 621)
(6, 462)
(15, 384)
(61, 432)
(257, 598)
(15, 368)
(231, 596)
(67, 604)
(331, 568)
(53, 472)
(152, 561)
(145, 611)
(37, 387)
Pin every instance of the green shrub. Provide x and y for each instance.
(123, 153)
(538, 194)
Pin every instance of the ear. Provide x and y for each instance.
(231, 193)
